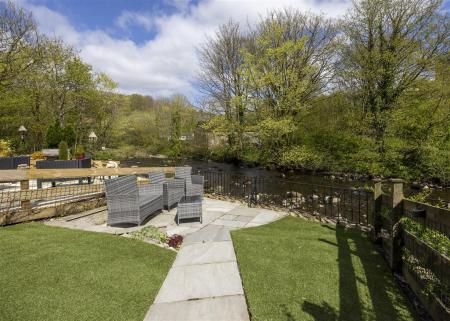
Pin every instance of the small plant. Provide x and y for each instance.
(79, 151)
(420, 197)
(436, 240)
(63, 151)
(38, 155)
(150, 232)
(175, 241)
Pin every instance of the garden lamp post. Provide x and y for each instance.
(22, 131)
(92, 137)
(92, 140)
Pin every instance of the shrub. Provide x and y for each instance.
(436, 240)
(79, 151)
(38, 155)
(5, 148)
(105, 155)
(175, 241)
(150, 232)
(302, 157)
(63, 151)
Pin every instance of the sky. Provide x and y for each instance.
(149, 46)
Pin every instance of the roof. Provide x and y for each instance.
(51, 152)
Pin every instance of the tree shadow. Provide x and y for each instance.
(378, 280)
(324, 312)
(349, 302)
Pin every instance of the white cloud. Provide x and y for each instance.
(167, 63)
(128, 18)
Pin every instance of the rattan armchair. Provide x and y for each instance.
(173, 190)
(193, 184)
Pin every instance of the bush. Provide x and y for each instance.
(302, 157)
(150, 232)
(436, 240)
(79, 151)
(63, 151)
(5, 148)
(221, 153)
(104, 155)
(38, 155)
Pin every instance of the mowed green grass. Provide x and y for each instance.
(50, 273)
(295, 269)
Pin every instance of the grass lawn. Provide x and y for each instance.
(295, 269)
(50, 273)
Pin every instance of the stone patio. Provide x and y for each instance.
(204, 283)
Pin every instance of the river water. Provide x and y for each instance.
(316, 179)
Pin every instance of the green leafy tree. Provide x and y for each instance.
(389, 45)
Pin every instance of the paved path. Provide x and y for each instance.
(204, 283)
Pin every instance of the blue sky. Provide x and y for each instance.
(149, 46)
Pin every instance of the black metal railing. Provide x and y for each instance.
(353, 205)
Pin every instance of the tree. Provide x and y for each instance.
(18, 42)
(291, 59)
(389, 44)
(221, 80)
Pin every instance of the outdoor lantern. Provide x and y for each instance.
(92, 137)
(22, 131)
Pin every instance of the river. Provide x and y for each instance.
(317, 179)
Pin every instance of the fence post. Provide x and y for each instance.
(254, 191)
(377, 203)
(25, 186)
(396, 208)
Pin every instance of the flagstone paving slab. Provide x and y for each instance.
(209, 233)
(265, 217)
(245, 211)
(228, 217)
(244, 219)
(229, 308)
(236, 224)
(162, 220)
(200, 281)
(202, 253)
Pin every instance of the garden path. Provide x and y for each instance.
(204, 283)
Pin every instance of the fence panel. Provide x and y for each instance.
(353, 205)
(434, 217)
(428, 272)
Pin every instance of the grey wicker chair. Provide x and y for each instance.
(193, 184)
(173, 190)
(129, 204)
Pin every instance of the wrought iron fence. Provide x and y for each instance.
(353, 205)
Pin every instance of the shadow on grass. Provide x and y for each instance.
(377, 279)
(320, 312)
